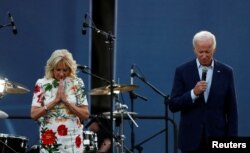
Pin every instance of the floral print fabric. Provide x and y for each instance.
(60, 130)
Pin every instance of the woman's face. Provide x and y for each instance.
(61, 71)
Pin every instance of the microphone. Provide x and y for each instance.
(12, 23)
(85, 25)
(204, 74)
(132, 71)
(82, 67)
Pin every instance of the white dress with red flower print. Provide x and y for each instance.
(60, 130)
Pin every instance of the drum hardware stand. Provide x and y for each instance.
(122, 109)
(3, 150)
(114, 136)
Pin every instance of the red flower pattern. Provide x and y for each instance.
(48, 137)
(62, 130)
(40, 98)
(78, 141)
(37, 88)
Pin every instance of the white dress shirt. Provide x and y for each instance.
(208, 79)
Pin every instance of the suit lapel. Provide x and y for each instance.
(215, 79)
(195, 69)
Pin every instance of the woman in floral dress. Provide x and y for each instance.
(59, 105)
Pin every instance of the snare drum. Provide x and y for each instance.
(12, 143)
(90, 144)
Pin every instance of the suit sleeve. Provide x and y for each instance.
(180, 96)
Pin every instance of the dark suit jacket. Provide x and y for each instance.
(217, 117)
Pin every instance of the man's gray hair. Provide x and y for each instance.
(204, 35)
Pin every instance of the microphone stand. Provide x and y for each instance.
(140, 148)
(132, 97)
(109, 39)
(5, 25)
(83, 70)
(166, 101)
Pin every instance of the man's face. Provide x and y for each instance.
(204, 51)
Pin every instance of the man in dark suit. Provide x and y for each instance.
(204, 93)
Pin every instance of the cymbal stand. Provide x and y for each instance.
(122, 109)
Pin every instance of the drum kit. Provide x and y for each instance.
(118, 114)
(90, 142)
(11, 143)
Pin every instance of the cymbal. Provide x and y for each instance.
(11, 87)
(116, 88)
(3, 114)
(117, 114)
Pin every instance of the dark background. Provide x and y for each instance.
(156, 36)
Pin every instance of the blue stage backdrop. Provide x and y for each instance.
(156, 36)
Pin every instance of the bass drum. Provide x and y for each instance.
(90, 143)
(12, 143)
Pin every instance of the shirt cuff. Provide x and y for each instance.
(193, 96)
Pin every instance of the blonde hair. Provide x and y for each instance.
(60, 55)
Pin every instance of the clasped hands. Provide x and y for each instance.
(60, 95)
